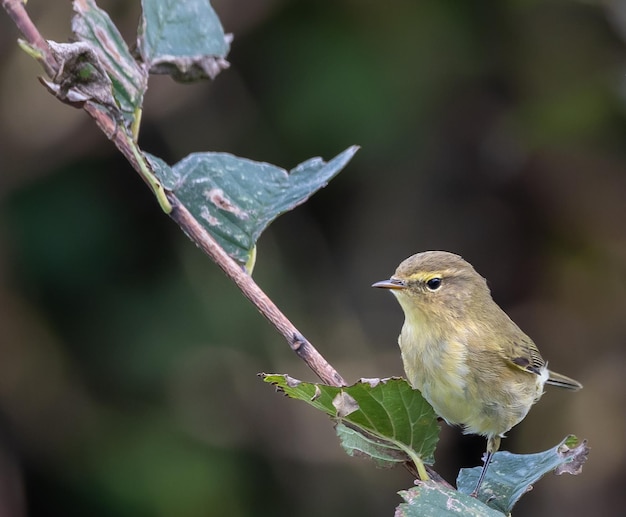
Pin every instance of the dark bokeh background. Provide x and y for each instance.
(128, 363)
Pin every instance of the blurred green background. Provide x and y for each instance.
(128, 363)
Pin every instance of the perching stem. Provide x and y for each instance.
(117, 133)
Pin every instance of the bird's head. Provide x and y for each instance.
(437, 284)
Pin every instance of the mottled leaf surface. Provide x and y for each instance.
(93, 26)
(184, 39)
(430, 499)
(511, 475)
(235, 199)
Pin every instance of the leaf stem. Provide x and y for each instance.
(148, 176)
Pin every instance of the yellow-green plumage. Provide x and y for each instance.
(471, 362)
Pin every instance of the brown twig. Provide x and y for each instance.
(203, 239)
(196, 232)
(181, 215)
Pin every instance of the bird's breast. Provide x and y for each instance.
(439, 369)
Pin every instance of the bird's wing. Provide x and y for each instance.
(524, 354)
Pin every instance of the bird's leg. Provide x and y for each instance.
(482, 474)
(493, 444)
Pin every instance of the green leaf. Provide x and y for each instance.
(184, 39)
(235, 199)
(93, 26)
(385, 420)
(511, 475)
(433, 499)
(358, 443)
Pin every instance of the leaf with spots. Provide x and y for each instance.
(183, 39)
(93, 26)
(510, 476)
(430, 498)
(384, 420)
(235, 199)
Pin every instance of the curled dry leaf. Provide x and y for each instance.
(345, 404)
(578, 455)
(317, 394)
(291, 382)
(81, 76)
(373, 382)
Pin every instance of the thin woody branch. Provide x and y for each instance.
(118, 135)
(196, 232)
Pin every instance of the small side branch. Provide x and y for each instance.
(15, 10)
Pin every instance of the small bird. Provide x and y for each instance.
(470, 361)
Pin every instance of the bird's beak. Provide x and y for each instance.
(392, 283)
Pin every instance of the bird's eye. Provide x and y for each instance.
(434, 283)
